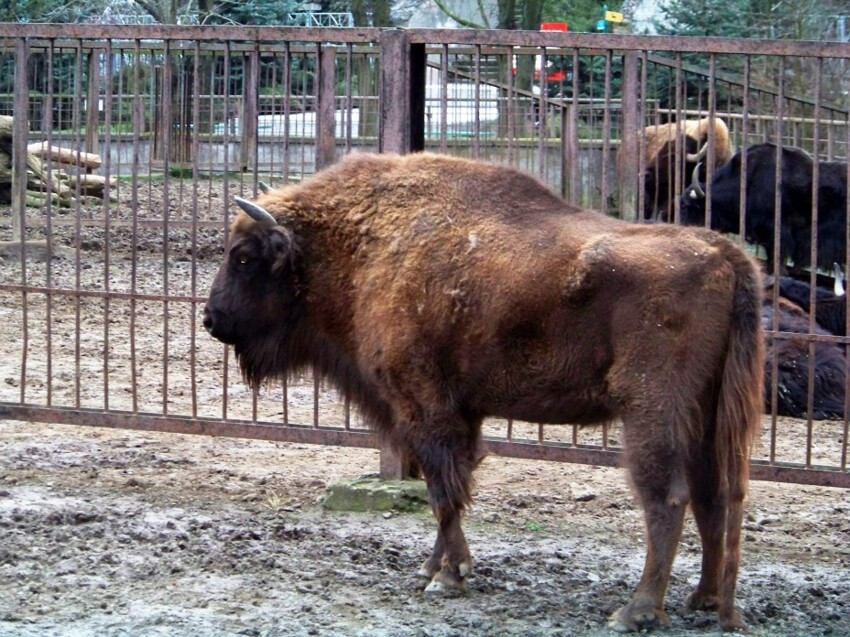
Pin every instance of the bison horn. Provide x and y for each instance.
(264, 187)
(695, 181)
(698, 156)
(838, 286)
(257, 213)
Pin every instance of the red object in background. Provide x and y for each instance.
(554, 26)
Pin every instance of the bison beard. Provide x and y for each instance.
(437, 291)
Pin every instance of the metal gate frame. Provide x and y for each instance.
(403, 58)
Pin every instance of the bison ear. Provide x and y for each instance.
(257, 213)
(285, 250)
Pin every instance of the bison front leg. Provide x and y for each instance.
(447, 468)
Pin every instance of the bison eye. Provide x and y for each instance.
(243, 260)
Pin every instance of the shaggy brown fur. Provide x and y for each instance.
(437, 291)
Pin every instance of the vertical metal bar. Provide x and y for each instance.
(316, 388)
(640, 203)
(167, 118)
(813, 261)
(710, 139)
(248, 120)
(444, 98)
(510, 105)
(628, 151)
(572, 139)
(476, 107)
(92, 102)
(285, 401)
(287, 107)
(542, 115)
(77, 116)
(20, 132)
(193, 318)
(225, 206)
(742, 192)
(346, 410)
(138, 123)
(306, 107)
(48, 129)
(677, 170)
(325, 117)
(394, 135)
(107, 228)
(349, 101)
(777, 217)
(606, 130)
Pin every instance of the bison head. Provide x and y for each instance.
(254, 301)
(692, 201)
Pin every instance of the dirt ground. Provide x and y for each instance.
(110, 532)
(114, 533)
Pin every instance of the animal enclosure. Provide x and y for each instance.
(101, 303)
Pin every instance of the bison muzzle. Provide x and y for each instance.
(437, 291)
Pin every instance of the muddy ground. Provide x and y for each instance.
(114, 533)
(106, 532)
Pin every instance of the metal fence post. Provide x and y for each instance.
(20, 128)
(402, 130)
(402, 94)
(326, 107)
(627, 173)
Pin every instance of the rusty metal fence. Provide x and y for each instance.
(101, 293)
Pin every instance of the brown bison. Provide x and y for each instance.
(438, 291)
(659, 160)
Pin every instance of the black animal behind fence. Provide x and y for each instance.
(796, 188)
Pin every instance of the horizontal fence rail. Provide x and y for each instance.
(108, 251)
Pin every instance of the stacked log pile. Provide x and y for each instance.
(68, 175)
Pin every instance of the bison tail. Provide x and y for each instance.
(739, 415)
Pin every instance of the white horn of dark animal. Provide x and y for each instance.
(838, 286)
(264, 187)
(257, 213)
(699, 155)
(695, 181)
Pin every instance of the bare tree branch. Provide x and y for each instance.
(464, 23)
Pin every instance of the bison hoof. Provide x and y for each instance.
(635, 617)
(445, 583)
(733, 623)
(429, 568)
(699, 600)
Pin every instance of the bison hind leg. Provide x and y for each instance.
(637, 615)
(655, 463)
(718, 513)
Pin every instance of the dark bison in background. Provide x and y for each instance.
(796, 204)
(659, 159)
(795, 364)
(437, 291)
(830, 306)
